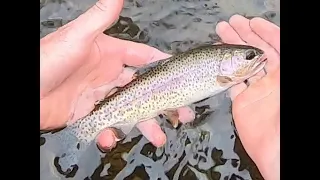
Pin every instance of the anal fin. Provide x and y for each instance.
(173, 117)
(121, 129)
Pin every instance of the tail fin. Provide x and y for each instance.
(67, 147)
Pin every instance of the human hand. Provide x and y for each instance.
(80, 65)
(256, 108)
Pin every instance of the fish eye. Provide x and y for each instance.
(250, 54)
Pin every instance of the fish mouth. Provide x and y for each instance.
(259, 64)
(254, 68)
(262, 58)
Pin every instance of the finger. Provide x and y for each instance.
(242, 26)
(131, 53)
(106, 140)
(152, 131)
(268, 31)
(98, 18)
(234, 91)
(186, 114)
(228, 34)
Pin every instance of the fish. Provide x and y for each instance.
(180, 80)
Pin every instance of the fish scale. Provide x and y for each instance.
(178, 81)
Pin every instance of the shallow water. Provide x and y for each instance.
(205, 149)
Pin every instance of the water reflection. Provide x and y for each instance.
(204, 149)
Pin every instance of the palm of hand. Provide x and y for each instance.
(257, 115)
(256, 108)
(94, 69)
(87, 73)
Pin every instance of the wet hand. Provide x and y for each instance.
(256, 108)
(80, 65)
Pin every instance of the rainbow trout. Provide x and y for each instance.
(175, 82)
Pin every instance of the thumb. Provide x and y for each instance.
(98, 18)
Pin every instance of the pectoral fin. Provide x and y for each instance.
(173, 117)
(118, 133)
(121, 129)
(223, 80)
(135, 75)
(112, 91)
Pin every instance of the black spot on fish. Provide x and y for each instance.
(78, 146)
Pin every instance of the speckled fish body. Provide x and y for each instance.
(176, 82)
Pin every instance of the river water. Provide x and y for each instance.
(207, 149)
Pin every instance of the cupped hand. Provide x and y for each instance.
(80, 65)
(256, 108)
